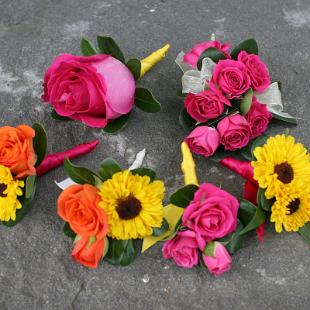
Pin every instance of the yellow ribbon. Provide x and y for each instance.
(149, 62)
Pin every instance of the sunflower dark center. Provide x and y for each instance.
(294, 205)
(285, 172)
(3, 187)
(128, 208)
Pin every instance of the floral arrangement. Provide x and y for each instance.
(229, 97)
(277, 184)
(99, 88)
(206, 224)
(22, 159)
(106, 213)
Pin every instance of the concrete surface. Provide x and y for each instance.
(36, 271)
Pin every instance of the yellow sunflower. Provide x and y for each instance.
(292, 208)
(279, 162)
(9, 190)
(133, 204)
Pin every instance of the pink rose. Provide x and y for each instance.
(235, 132)
(91, 89)
(203, 140)
(206, 105)
(212, 214)
(183, 249)
(193, 55)
(220, 262)
(258, 117)
(231, 77)
(257, 71)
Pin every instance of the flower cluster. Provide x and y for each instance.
(98, 88)
(108, 212)
(230, 99)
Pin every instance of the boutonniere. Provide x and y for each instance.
(99, 88)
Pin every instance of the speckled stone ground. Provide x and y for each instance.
(36, 271)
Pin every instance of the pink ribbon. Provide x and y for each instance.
(52, 161)
(245, 170)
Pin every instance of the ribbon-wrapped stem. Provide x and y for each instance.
(188, 166)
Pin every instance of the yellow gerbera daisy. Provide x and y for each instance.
(279, 162)
(292, 209)
(133, 204)
(9, 190)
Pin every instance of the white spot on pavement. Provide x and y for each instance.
(298, 17)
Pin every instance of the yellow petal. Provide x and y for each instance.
(172, 214)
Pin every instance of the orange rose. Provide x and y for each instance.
(78, 205)
(88, 252)
(16, 150)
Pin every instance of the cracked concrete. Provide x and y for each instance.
(36, 270)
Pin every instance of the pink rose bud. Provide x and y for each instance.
(193, 55)
(203, 140)
(258, 118)
(183, 249)
(91, 89)
(231, 77)
(212, 214)
(220, 261)
(257, 70)
(235, 132)
(206, 105)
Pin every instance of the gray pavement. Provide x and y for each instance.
(36, 271)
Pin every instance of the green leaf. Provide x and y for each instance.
(145, 171)
(246, 102)
(30, 186)
(39, 142)
(68, 231)
(250, 215)
(234, 241)
(79, 174)
(121, 252)
(108, 46)
(220, 154)
(212, 53)
(117, 124)
(158, 231)
(58, 117)
(209, 249)
(259, 141)
(263, 202)
(134, 65)
(246, 152)
(186, 121)
(305, 232)
(290, 120)
(145, 101)
(183, 196)
(107, 168)
(87, 48)
(249, 45)
(181, 94)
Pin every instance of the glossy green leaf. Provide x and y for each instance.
(134, 65)
(246, 152)
(158, 231)
(250, 215)
(108, 46)
(263, 202)
(145, 101)
(305, 232)
(58, 117)
(79, 174)
(107, 168)
(145, 171)
(220, 154)
(117, 124)
(249, 45)
(186, 121)
(246, 102)
(87, 48)
(183, 196)
(121, 252)
(181, 94)
(30, 186)
(209, 249)
(212, 53)
(39, 142)
(68, 231)
(290, 120)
